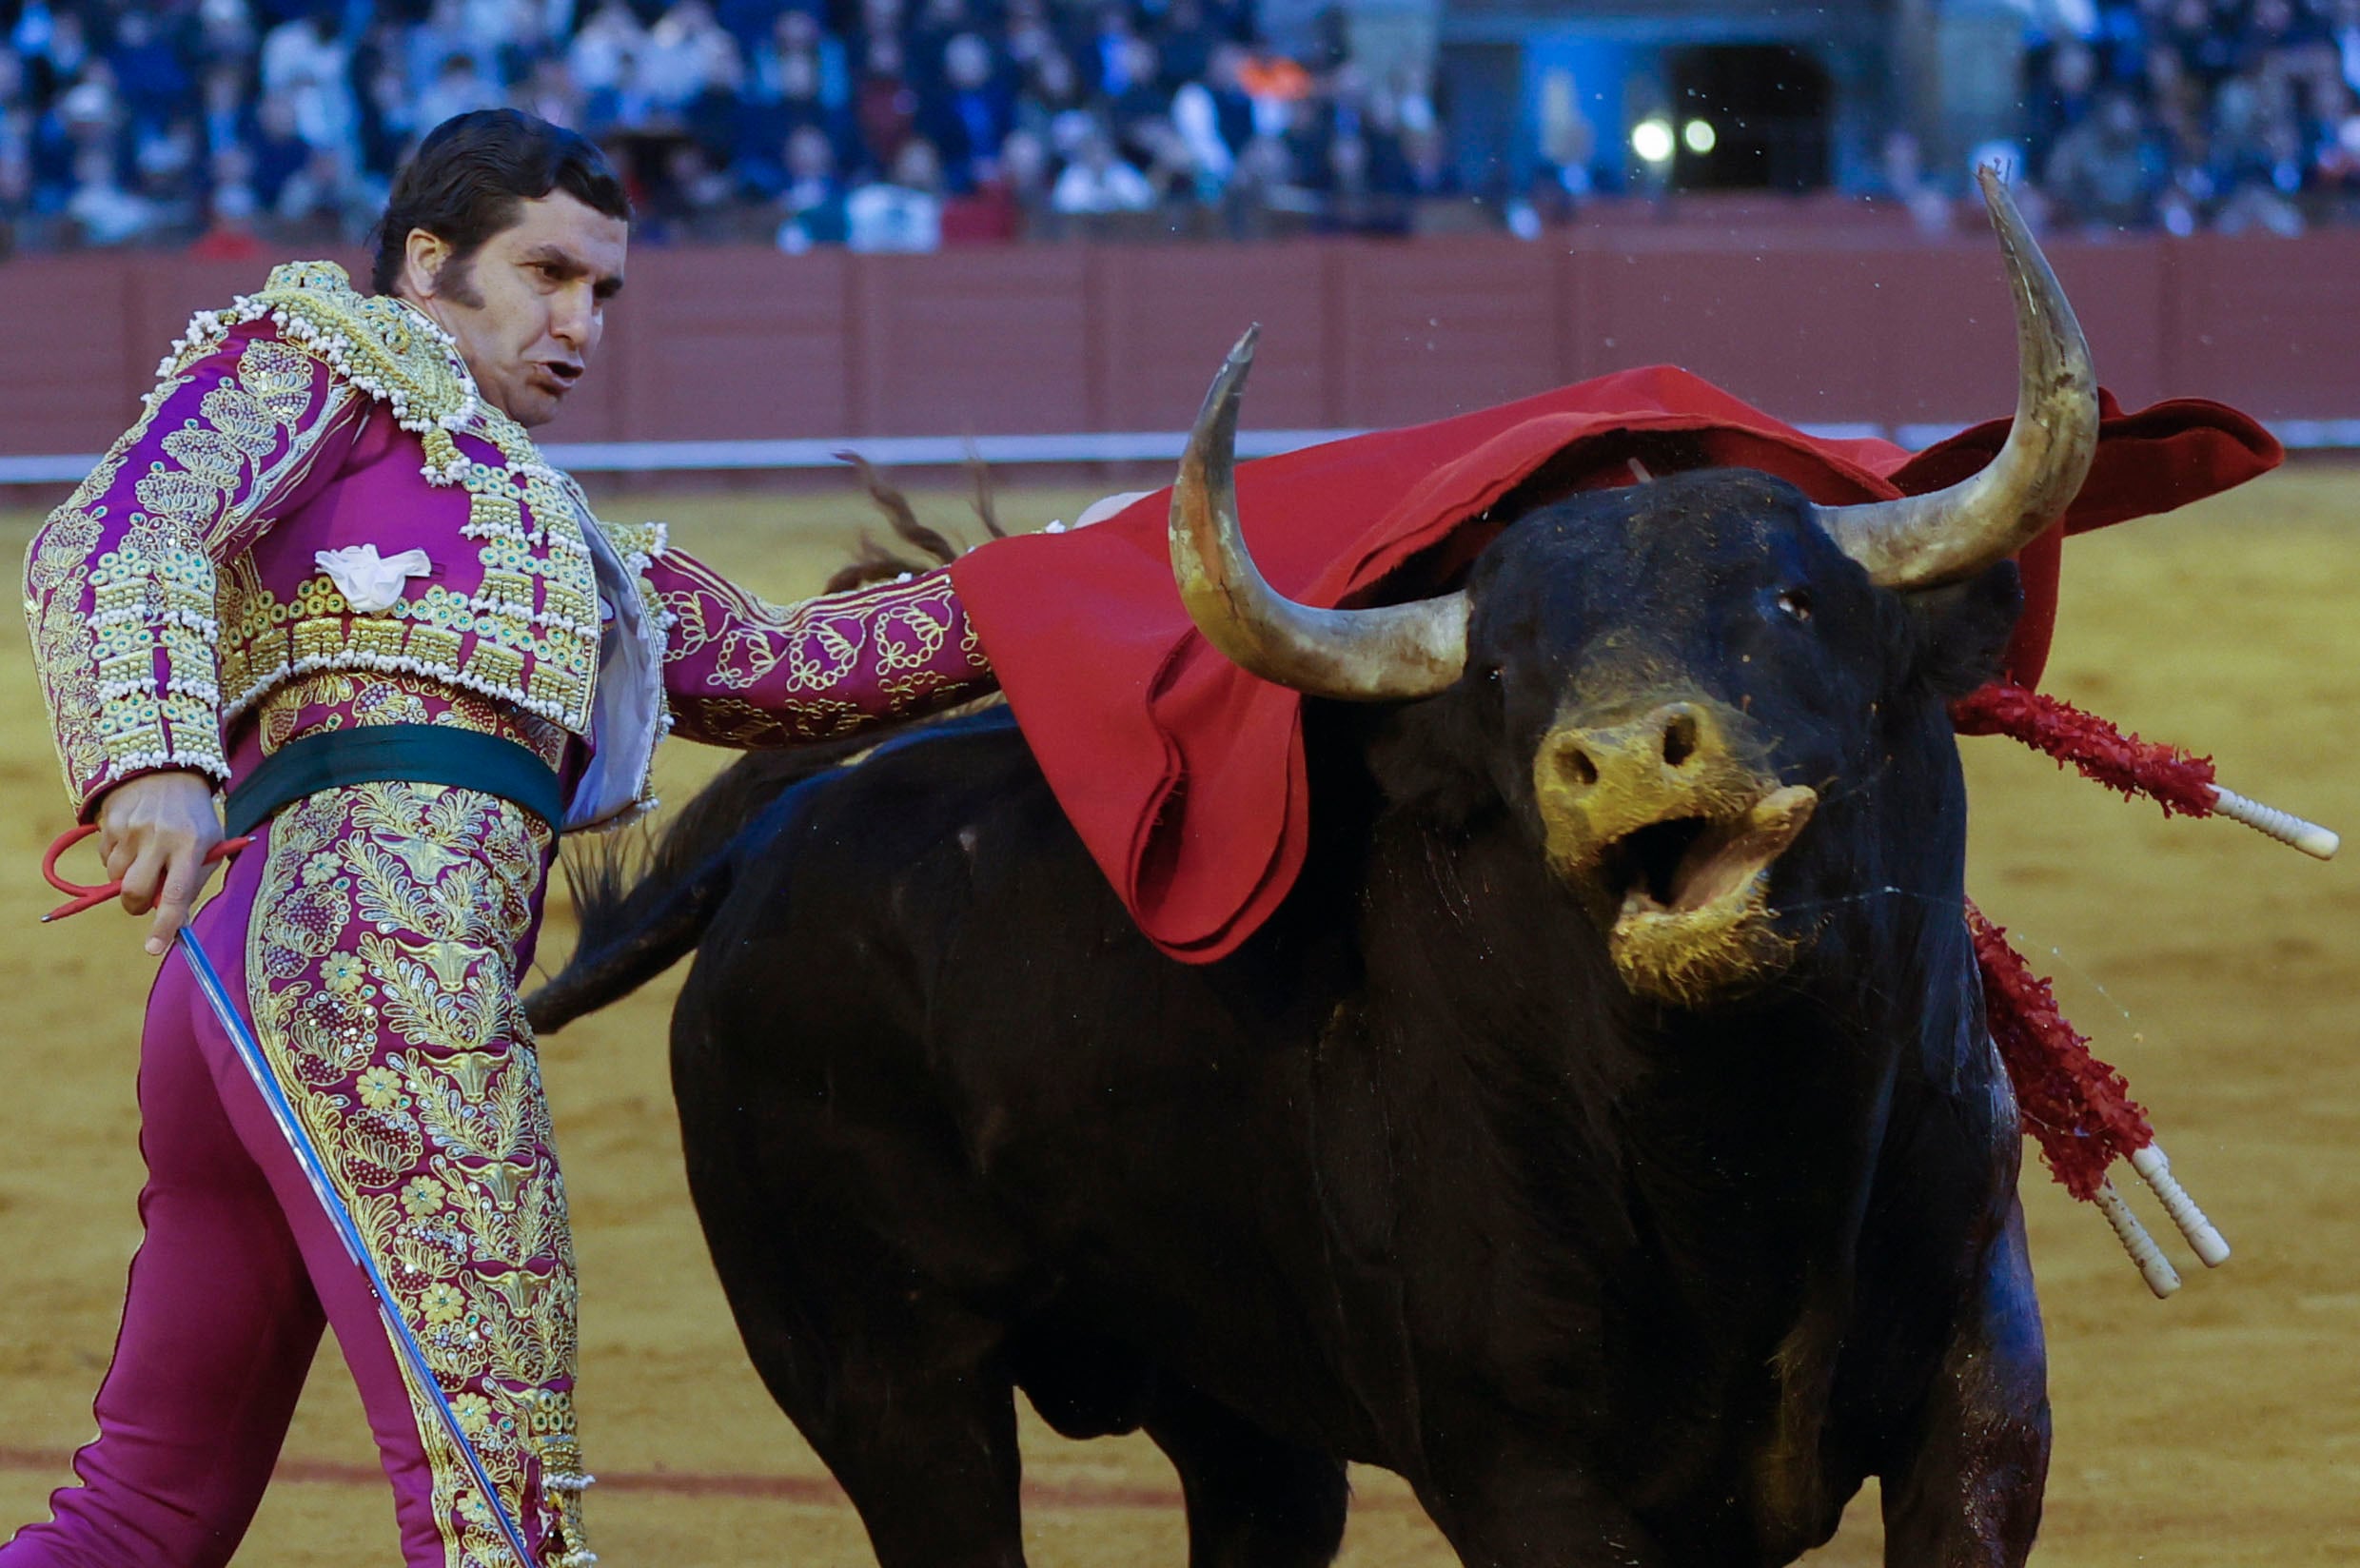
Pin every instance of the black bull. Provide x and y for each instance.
(1621, 1249)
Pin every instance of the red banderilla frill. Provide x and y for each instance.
(2075, 1107)
(2182, 784)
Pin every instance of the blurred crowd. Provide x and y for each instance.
(237, 126)
(885, 125)
(2230, 115)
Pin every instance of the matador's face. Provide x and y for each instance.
(529, 306)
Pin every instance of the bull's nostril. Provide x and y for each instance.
(1579, 768)
(1679, 739)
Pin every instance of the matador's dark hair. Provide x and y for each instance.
(471, 173)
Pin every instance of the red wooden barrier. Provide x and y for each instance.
(1165, 317)
(2271, 324)
(1833, 323)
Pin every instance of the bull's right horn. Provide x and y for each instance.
(1922, 541)
(1388, 653)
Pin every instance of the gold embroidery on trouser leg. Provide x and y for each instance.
(380, 971)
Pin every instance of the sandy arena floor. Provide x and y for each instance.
(2220, 972)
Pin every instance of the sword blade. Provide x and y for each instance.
(315, 1171)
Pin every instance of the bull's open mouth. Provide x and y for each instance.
(1693, 865)
(1691, 896)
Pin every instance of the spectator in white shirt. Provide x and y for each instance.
(904, 214)
(305, 61)
(1099, 181)
(602, 51)
(687, 49)
(1198, 119)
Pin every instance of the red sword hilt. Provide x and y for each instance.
(90, 898)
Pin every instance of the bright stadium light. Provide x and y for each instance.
(1652, 139)
(1699, 135)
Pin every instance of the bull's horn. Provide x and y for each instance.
(1391, 653)
(1920, 541)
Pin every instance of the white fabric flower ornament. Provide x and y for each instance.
(371, 583)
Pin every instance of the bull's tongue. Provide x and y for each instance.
(1726, 857)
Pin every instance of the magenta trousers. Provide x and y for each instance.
(239, 1267)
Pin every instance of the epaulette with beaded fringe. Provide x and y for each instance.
(381, 346)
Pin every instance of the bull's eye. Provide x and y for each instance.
(1795, 603)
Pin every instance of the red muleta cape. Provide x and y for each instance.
(1184, 775)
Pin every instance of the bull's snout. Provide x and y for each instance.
(1597, 783)
(1659, 752)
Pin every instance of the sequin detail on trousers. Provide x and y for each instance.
(381, 972)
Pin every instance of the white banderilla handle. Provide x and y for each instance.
(2313, 840)
(2152, 1265)
(2156, 1172)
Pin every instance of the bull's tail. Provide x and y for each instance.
(881, 564)
(632, 929)
(645, 900)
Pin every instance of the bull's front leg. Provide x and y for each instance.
(1969, 1494)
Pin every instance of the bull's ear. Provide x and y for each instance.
(1964, 628)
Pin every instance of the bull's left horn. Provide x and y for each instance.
(1921, 541)
(1391, 653)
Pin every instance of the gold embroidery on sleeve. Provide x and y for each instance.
(148, 693)
(895, 631)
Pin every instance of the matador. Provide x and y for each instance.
(328, 573)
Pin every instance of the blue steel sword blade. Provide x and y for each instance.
(406, 1343)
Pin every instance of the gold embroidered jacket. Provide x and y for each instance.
(314, 485)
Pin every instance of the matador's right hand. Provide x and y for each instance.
(154, 833)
